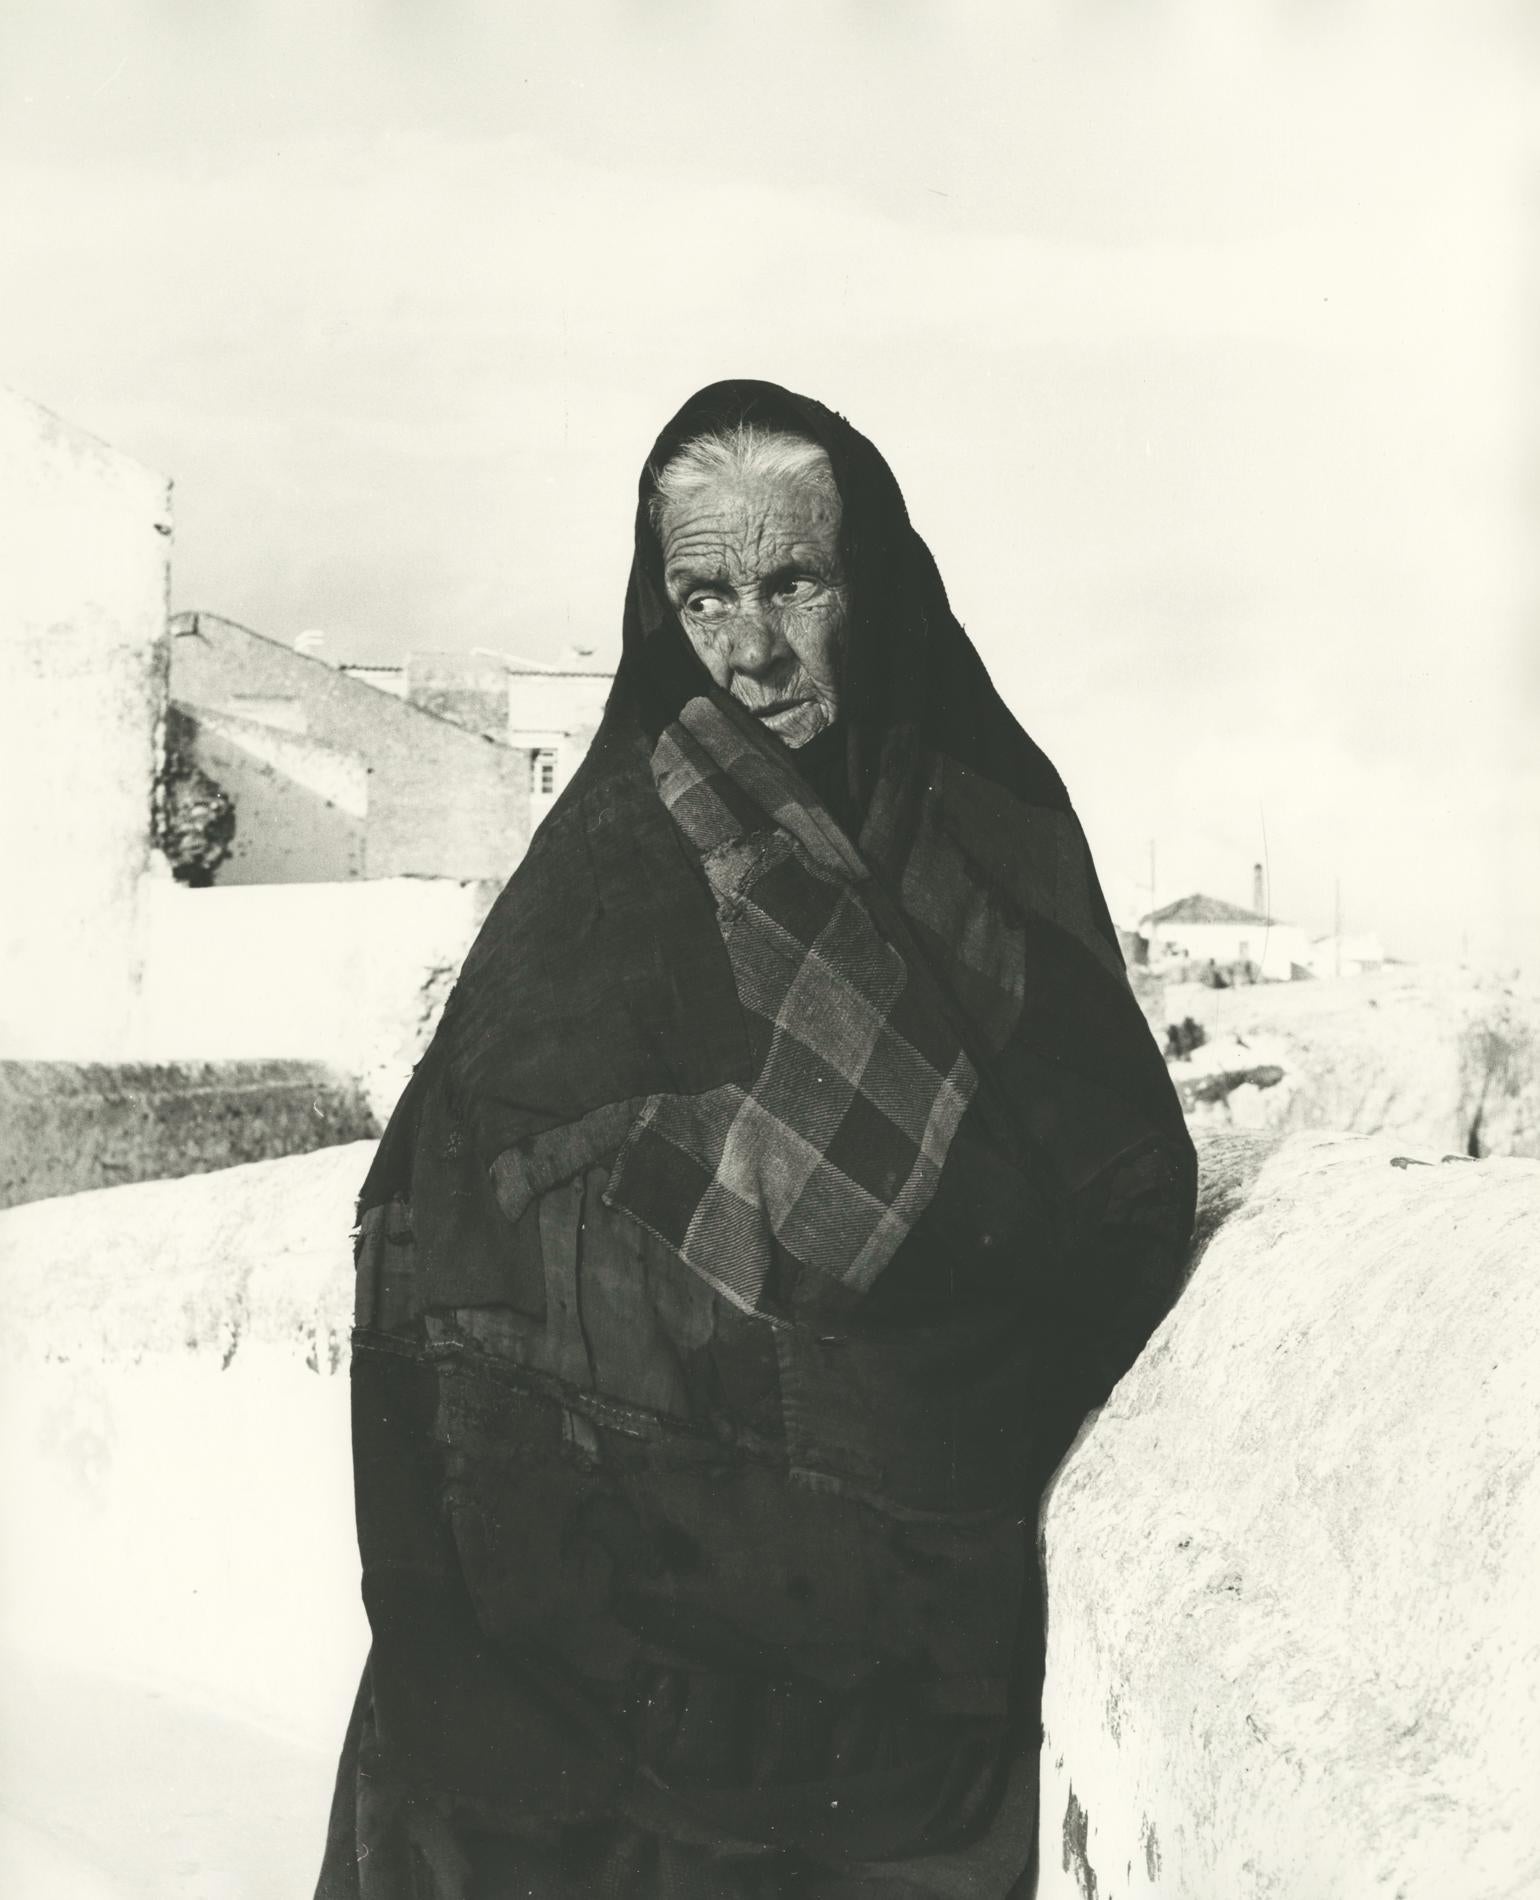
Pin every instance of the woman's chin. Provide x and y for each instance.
(795, 725)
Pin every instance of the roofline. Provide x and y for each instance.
(196, 614)
(1243, 916)
(83, 434)
(521, 663)
(513, 672)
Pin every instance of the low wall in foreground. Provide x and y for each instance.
(180, 1623)
(72, 1126)
(1292, 1647)
(1292, 1641)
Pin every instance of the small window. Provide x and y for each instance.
(542, 773)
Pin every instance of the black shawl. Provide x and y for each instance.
(849, 1036)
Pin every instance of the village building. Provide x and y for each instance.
(549, 711)
(1198, 931)
(1358, 955)
(334, 779)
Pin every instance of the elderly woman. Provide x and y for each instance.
(791, 1172)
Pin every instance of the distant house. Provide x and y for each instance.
(1346, 956)
(1199, 930)
(334, 778)
(548, 712)
(469, 688)
(555, 712)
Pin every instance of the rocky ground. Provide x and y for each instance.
(1442, 1059)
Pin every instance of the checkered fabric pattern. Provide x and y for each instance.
(836, 1149)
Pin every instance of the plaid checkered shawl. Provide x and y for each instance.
(836, 1148)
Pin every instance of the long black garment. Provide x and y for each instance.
(791, 1171)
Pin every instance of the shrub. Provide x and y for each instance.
(194, 815)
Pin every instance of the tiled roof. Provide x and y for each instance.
(1199, 909)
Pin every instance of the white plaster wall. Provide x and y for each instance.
(86, 534)
(558, 712)
(1293, 1643)
(181, 1631)
(354, 974)
(557, 702)
(1273, 948)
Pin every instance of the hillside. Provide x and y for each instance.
(1441, 1059)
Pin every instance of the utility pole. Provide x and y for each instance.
(1336, 928)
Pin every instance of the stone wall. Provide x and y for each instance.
(82, 629)
(442, 801)
(1292, 1641)
(72, 1126)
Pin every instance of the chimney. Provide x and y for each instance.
(1257, 903)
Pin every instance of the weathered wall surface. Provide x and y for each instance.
(82, 630)
(353, 975)
(1293, 1648)
(73, 1126)
(442, 801)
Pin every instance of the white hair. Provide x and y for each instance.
(747, 452)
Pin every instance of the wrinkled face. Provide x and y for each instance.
(753, 570)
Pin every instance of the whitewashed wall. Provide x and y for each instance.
(1293, 1648)
(86, 536)
(1273, 948)
(354, 974)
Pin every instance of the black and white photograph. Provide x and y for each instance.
(770, 955)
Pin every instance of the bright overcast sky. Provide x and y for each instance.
(1203, 339)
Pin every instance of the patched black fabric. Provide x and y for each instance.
(791, 1170)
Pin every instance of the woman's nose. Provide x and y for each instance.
(756, 640)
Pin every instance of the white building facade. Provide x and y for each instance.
(1202, 930)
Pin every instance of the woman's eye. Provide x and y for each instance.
(705, 606)
(798, 589)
